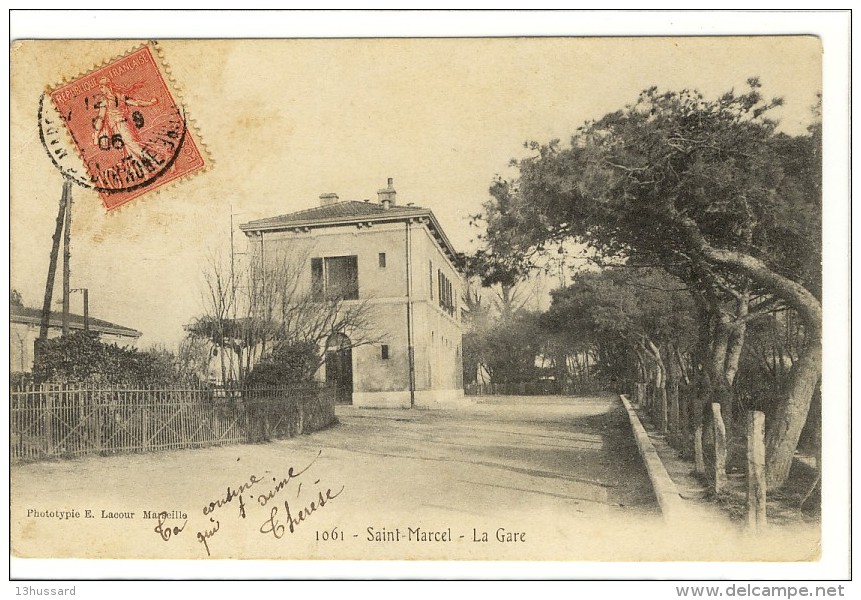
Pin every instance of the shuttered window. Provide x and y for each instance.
(335, 277)
(445, 292)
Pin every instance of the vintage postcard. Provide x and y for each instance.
(548, 299)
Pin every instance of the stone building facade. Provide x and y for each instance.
(397, 261)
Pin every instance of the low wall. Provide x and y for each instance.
(670, 502)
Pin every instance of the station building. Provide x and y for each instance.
(397, 261)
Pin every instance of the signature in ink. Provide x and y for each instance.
(274, 526)
(167, 532)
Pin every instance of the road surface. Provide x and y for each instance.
(509, 478)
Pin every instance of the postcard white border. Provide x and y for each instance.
(834, 30)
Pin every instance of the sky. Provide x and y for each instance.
(284, 121)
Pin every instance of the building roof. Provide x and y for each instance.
(348, 213)
(33, 316)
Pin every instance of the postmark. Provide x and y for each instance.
(119, 130)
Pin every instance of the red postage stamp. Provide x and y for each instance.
(126, 126)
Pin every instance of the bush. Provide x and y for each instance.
(20, 379)
(82, 358)
(288, 363)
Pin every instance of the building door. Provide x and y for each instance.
(339, 368)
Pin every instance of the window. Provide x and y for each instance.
(446, 293)
(335, 277)
(430, 275)
(384, 351)
(382, 258)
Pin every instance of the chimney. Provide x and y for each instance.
(327, 199)
(387, 195)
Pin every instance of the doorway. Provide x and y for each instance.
(339, 367)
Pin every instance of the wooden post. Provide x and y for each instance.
(67, 256)
(684, 413)
(756, 519)
(663, 414)
(52, 268)
(49, 421)
(145, 425)
(720, 449)
(673, 417)
(99, 418)
(699, 458)
(651, 400)
(86, 309)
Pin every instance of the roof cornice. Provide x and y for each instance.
(344, 220)
(307, 224)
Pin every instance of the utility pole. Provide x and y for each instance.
(232, 266)
(52, 265)
(86, 309)
(234, 357)
(67, 255)
(86, 293)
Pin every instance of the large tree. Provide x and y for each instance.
(712, 192)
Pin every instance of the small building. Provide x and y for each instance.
(397, 262)
(24, 324)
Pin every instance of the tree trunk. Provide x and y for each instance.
(736, 339)
(685, 426)
(784, 427)
(673, 376)
(721, 392)
(788, 421)
(660, 386)
(699, 394)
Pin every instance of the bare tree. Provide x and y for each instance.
(286, 306)
(273, 301)
(219, 310)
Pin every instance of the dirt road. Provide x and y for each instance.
(512, 478)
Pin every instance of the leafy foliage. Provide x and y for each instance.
(82, 358)
(631, 184)
(288, 363)
(614, 311)
(506, 347)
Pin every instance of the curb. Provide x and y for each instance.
(670, 502)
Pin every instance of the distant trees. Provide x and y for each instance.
(711, 193)
(505, 348)
(637, 324)
(502, 338)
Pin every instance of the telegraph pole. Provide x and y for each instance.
(232, 266)
(67, 254)
(86, 309)
(233, 357)
(86, 293)
(52, 264)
